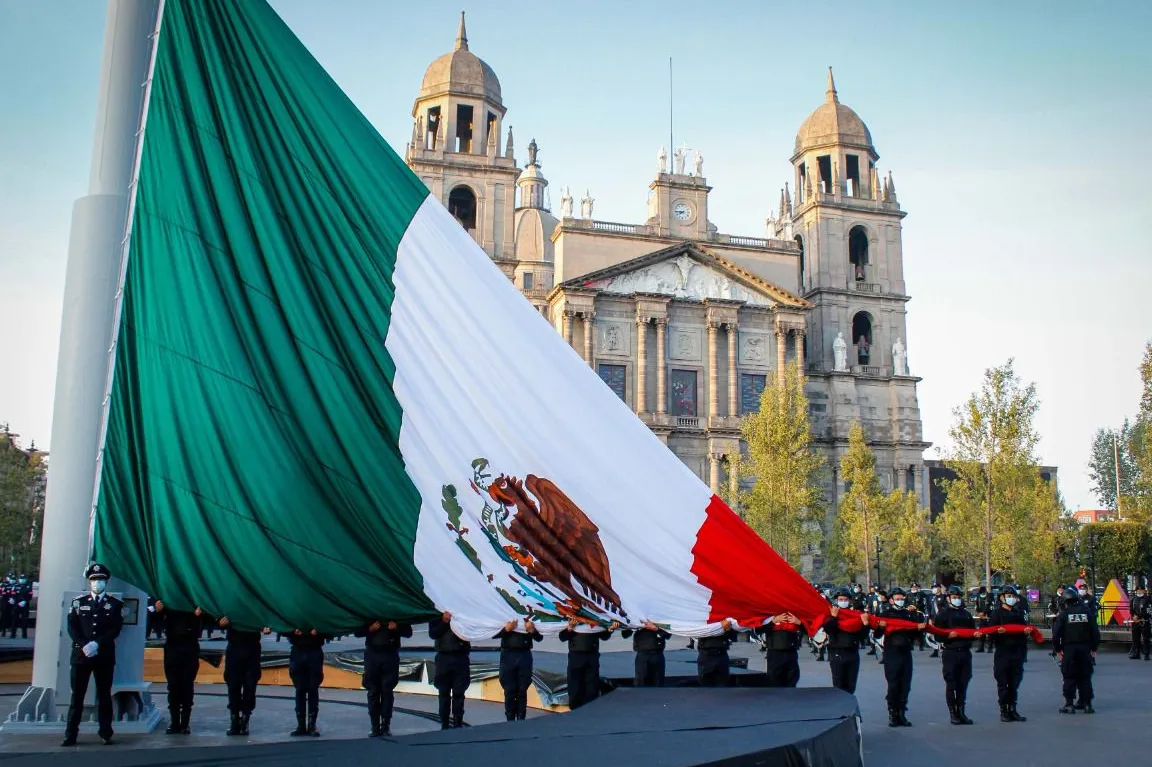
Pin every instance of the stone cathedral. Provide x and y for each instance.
(687, 324)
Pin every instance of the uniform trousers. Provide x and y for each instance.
(956, 663)
(306, 669)
(241, 674)
(845, 666)
(381, 675)
(1008, 668)
(783, 668)
(1077, 670)
(181, 664)
(712, 668)
(898, 673)
(1140, 639)
(81, 673)
(649, 668)
(583, 678)
(453, 675)
(515, 678)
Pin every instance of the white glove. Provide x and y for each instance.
(11, 601)
(23, 604)
(91, 649)
(152, 609)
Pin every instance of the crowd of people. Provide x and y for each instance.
(890, 624)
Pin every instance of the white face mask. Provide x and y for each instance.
(843, 603)
(1009, 601)
(898, 602)
(98, 586)
(956, 601)
(1083, 592)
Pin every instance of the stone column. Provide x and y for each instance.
(781, 341)
(713, 373)
(589, 336)
(641, 364)
(566, 326)
(733, 380)
(800, 349)
(661, 367)
(714, 472)
(733, 479)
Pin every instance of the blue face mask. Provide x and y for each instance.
(842, 603)
(1009, 601)
(898, 602)
(956, 601)
(98, 586)
(23, 581)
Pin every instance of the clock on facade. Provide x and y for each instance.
(682, 211)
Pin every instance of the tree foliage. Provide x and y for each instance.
(1000, 515)
(21, 505)
(1107, 445)
(1114, 549)
(783, 503)
(1131, 444)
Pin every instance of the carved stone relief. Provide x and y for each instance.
(683, 277)
(614, 339)
(757, 348)
(684, 344)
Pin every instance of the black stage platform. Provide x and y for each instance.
(668, 727)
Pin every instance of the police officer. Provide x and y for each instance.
(306, 670)
(844, 646)
(712, 656)
(241, 673)
(957, 655)
(781, 641)
(648, 642)
(94, 622)
(984, 606)
(917, 600)
(584, 660)
(874, 603)
(857, 597)
(7, 601)
(1010, 649)
(516, 666)
(1141, 614)
(21, 602)
(181, 664)
(382, 670)
(898, 655)
(1075, 638)
(453, 670)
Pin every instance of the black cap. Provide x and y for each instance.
(1009, 590)
(843, 592)
(97, 570)
(1070, 594)
(954, 589)
(897, 591)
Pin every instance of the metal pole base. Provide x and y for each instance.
(133, 712)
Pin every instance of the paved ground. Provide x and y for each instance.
(1115, 733)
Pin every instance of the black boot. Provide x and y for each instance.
(1006, 713)
(244, 719)
(185, 716)
(1088, 708)
(954, 715)
(1068, 708)
(904, 718)
(960, 712)
(1016, 714)
(893, 717)
(234, 727)
(312, 725)
(173, 721)
(301, 728)
(374, 716)
(385, 728)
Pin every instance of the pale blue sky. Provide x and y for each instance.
(1018, 134)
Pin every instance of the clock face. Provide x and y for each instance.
(682, 211)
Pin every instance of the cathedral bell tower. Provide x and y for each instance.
(456, 148)
(847, 222)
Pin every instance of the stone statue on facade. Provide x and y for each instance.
(840, 353)
(698, 164)
(899, 358)
(566, 204)
(662, 161)
(531, 152)
(678, 158)
(586, 205)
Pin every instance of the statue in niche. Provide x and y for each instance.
(754, 349)
(840, 353)
(566, 204)
(662, 161)
(899, 358)
(679, 156)
(698, 164)
(862, 349)
(612, 339)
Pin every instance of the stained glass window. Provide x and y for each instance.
(613, 375)
(751, 387)
(683, 392)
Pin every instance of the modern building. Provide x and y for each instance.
(1089, 516)
(939, 473)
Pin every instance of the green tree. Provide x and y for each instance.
(991, 506)
(1107, 446)
(1138, 506)
(910, 536)
(1114, 549)
(783, 503)
(22, 475)
(860, 518)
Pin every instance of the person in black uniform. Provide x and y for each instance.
(453, 670)
(956, 662)
(858, 598)
(648, 642)
(844, 646)
(780, 649)
(918, 601)
(241, 673)
(984, 606)
(1141, 614)
(181, 664)
(382, 670)
(7, 601)
(898, 655)
(1075, 638)
(1010, 649)
(712, 656)
(306, 669)
(584, 661)
(21, 605)
(516, 666)
(94, 622)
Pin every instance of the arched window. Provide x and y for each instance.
(462, 205)
(862, 337)
(858, 252)
(800, 244)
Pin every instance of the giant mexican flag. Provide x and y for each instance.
(328, 405)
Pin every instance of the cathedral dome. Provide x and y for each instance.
(461, 71)
(833, 123)
(534, 228)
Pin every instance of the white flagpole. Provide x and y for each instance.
(96, 244)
